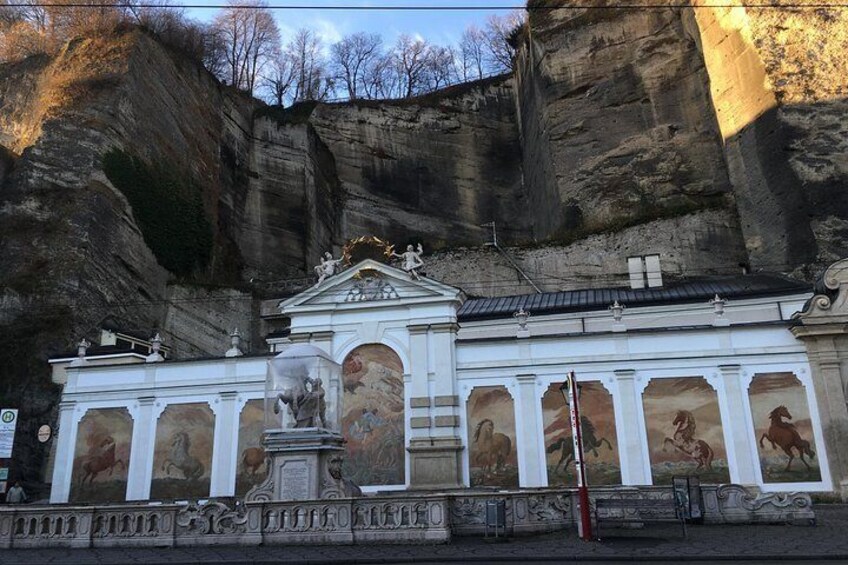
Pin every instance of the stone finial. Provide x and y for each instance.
(617, 315)
(155, 346)
(718, 304)
(522, 316)
(235, 342)
(82, 348)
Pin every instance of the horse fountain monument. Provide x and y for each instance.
(303, 447)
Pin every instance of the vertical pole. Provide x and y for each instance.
(585, 524)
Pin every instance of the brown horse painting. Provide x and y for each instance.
(493, 448)
(96, 463)
(252, 458)
(785, 435)
(684, 441)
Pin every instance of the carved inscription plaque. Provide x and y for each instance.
(294, 484)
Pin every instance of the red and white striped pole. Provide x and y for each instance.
(584, 527)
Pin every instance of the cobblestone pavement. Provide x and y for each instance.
(828, 540)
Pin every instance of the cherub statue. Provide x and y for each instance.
(327, 268)
(411, 260)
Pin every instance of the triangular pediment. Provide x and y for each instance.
(370, 283)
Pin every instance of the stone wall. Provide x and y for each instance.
(685, 246)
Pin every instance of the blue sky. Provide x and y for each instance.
(436, 26)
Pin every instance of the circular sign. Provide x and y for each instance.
(44, 433)
(8, 416)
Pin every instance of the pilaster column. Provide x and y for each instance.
(828, 370)
(223, 478)
(526, 431)
(743, 468)
(141, 450)
(62, 469)
(630, 429)
(435, 445)
(419, 394)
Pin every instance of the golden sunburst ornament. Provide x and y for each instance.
(366, 247)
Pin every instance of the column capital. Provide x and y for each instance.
(66, 405)
(730, 370)
(445, 327)
(146, 400)
(526, 379)
(625, 374)
(418, 329)
(228, 395)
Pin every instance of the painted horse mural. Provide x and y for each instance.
(591, 443)
(104, 458)
(252, 459)
(180, 458)
(784, 435)
(684, 441)
(493, 448)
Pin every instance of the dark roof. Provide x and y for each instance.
(747, 286)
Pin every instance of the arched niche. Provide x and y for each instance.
(492, 445)
(597, 417)
(684, 430)
(783, 429)
(102, 456)
(373, 421)
(182, 452)
(250, 464)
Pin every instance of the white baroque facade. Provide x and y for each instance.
(473, 382)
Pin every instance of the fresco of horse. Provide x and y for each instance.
(182, 454)
(180, 459)
(783, 428)
(493, 459)
(101, 456)
(685, 435)
(597, 423)
(251, 459)
(785, 435)
(373, 416)
(491, 448)
(565, 444)
(103, 459)
(684, 441)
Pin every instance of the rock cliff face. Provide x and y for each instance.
(714, 136)
(616, 118)
(779, 80)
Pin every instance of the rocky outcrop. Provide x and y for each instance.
(779, 79)
(616, 118)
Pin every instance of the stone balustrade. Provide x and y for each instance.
(406, 517)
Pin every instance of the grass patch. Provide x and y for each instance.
(169, 210)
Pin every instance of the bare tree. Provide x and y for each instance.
(410, 62)
(311, 79)
(351, 58)
(441, 67)
(251, 38)
(279, 81)
(499, 49)
(472, 48)
(379, 79)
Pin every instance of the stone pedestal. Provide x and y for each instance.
(435, 463)
(303, 464)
